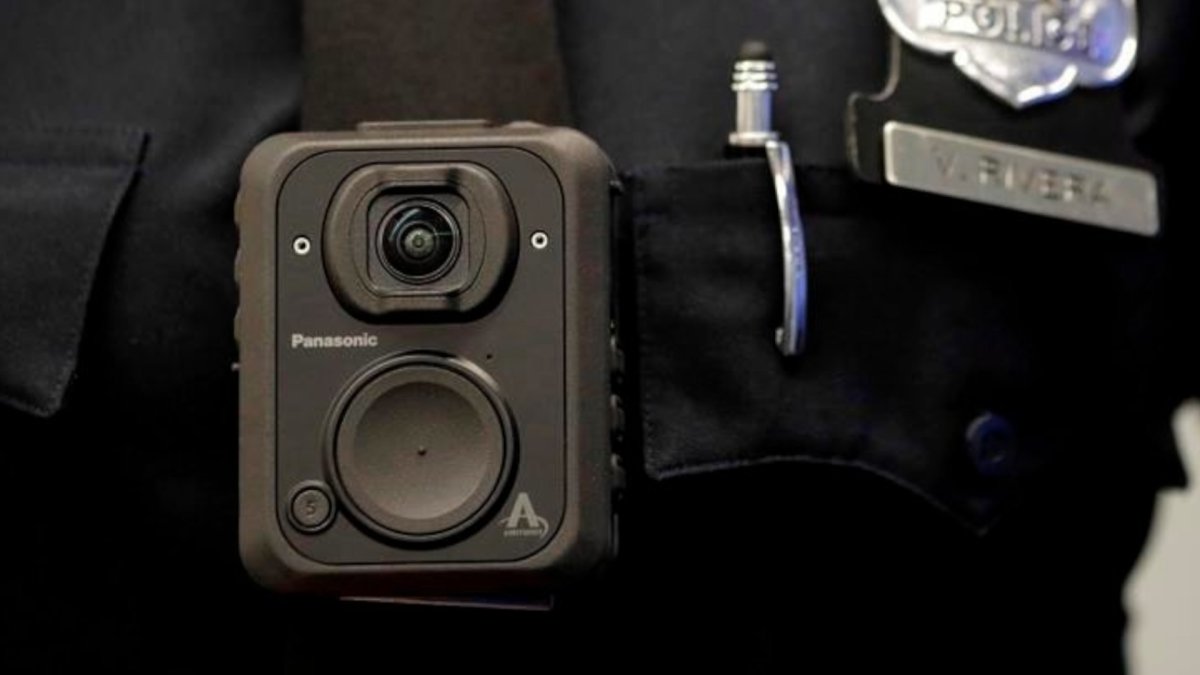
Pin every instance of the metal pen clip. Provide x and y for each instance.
(754, 83)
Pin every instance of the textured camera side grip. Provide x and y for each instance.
(585, 538)
(586, 176)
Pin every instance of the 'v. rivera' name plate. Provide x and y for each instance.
(1024, 179)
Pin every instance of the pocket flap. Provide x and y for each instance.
(955, 350)
(60, 189)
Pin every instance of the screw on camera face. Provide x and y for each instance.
(419, 242)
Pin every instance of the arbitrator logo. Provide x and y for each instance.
(523, 521)
(301, 341)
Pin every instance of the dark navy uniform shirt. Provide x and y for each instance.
(957, 475)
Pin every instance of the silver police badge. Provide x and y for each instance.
(1024, 51)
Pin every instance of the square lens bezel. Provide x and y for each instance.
(387, 202)
(471, 193)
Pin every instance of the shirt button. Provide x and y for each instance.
(992, 443)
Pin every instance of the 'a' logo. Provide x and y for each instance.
(523, 521)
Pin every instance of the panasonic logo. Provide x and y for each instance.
(300, 341)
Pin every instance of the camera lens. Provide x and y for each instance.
(419, 242)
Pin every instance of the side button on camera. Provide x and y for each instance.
(311, 507)
(616, 359)
(616, 412)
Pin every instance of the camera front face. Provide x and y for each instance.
(424, 336)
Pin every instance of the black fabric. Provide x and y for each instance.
(1163, 109)
(60, 189)
(451, 59)
(650, 80)
(124, 554)
(830, 570)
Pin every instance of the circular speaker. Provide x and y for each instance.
(421, 448)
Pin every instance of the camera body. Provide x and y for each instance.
(426, 355)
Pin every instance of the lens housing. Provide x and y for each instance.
(419, 242)
(361, 222)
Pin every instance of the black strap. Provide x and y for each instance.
(451, 59)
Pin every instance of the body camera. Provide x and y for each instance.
(425, 344)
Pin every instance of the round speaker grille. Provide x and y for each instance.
(422, 448)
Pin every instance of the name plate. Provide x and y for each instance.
(1024, 179)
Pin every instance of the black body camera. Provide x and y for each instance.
(426, 350)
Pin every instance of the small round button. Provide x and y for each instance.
(992, 442)
(311, 507)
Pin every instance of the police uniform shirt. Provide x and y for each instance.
(957, 475)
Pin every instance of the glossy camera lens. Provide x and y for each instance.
(418, 242)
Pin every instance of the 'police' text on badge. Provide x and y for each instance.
(1024, 51)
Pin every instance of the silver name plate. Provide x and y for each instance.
(1019, 178)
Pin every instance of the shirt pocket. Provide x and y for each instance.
(962, 352)
(61, 189)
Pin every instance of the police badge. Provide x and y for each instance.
(1024, 51)
(1071, 158)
